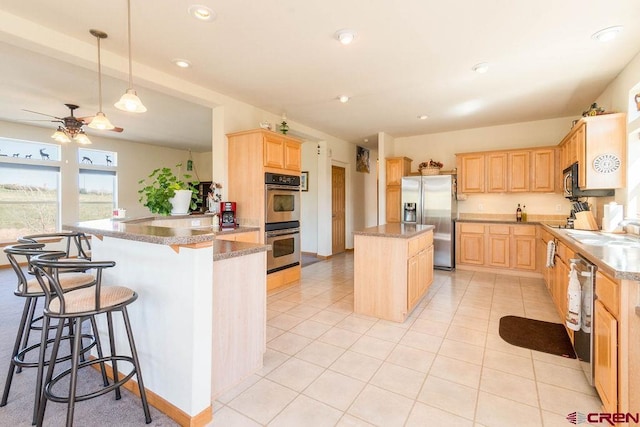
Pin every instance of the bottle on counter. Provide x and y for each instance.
(524, 213)
(519, 214)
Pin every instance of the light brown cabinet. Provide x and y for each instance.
(543, 168)
(281, 152)
(391, 274)
(247, 236)
(519, 175)
(500, 246)
(605, 342)
(471, 176)
(396, 168)
(497, 172)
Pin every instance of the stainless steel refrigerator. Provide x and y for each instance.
(432, 200)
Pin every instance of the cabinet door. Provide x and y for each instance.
(606, 357)
(524, 252)
(470, 173)
(496, 172)
(413, 281)
(292, 157)
(543, 166)
(273, 152)
(471, 248)
(394, 200)
(519, 176)
(498, 242)
(560, 282)
(396, 168)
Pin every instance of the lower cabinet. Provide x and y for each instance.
(501, 246)
(246, 236)
(391, 274)
(605, 356)
(394, 204)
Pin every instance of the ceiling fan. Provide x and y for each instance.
(71, 128)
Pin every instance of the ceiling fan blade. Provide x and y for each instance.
(116, 129)
(43, 114)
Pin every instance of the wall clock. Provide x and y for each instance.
(606, 163)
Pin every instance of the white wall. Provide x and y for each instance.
(309, 200)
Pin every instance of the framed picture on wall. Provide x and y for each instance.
(304, 181)
(362, 160)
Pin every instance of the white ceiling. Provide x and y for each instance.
(410, 58)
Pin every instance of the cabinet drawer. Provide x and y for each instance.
(499, 229)
(524, 230)
(419, 243)
(564, 252)
(608, 292)
(466, 227)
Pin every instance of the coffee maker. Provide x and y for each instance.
(409, 212)
(228, 215)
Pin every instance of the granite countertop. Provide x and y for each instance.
(140, 230)
(498, 221)
(617, 261)
(398, 230)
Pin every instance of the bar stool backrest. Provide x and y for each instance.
(23, 252)
(81, 242)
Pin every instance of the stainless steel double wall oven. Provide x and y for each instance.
(282, 220)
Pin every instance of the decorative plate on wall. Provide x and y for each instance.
(606, 163)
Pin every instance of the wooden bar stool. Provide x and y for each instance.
(29, 288)
(79, 305)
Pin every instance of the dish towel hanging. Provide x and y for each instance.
(574, 300)
(551, 251)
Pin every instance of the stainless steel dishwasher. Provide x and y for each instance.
(583, 338)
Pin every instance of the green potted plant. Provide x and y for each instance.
(168, 193)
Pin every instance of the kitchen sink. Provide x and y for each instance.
(598, 239)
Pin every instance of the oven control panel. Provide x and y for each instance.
(275, 178)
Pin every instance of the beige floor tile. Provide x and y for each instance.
(567, 362)
(464, 373)
(271, 360)
(421, 341)
(284, 321)
(449, 396)
(495, 411)
(289, 343)
(320, 353)
(328, 317)
(481, 312)
(423, 415)
(304, 411)
(462, 351)
(341, 307)
(469, 336)
(430, 327)
(340, 337)
(356, 324)
(562, 377)
(509, 386)
(494, 342)
(510, 363)
(282, 305)
(412, 358)
(273, 332)
(356, 365)
(469, 322)
(373, 347)
(430, 313)
(398, 379)
(351, 421)
(386, 332)
(304, 311)
(334, 389)
(295, 373)
(227, 417)
(263, 401)
(381, 407)
(234, 392)
(310, 329)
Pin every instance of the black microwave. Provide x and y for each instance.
(571, 189)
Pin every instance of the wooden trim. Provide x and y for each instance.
(170, 410)
(500, 271)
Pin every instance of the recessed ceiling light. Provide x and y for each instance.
(345, 36)
(481, 67)
(343, 98)
(607, 34)
(202, 13)
(182, 63)
(423, 117)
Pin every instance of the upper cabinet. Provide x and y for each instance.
(397, 167)
(509, 171)
(598, 145)
(281, 152)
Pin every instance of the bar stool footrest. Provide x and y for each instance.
(18, 360)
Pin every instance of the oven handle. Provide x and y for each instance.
(282, 232)
(282, 187)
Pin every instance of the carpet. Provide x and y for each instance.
(536, 335)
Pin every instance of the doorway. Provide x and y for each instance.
(338, 201)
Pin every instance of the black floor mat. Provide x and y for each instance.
(536, 335)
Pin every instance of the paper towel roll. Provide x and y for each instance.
(612, 216)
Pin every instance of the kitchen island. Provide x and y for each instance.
(200, 318)
(393, 268)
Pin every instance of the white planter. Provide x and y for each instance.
(181, 202)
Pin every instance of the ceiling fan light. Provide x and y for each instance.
(82, 138)
(101, 122)
(60, 136)
(130, 102)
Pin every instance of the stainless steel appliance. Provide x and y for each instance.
(571, 189)
(282, 220)
(282, 198)
(228, 215)
(583, 338)
(432, 200)
(285, 249)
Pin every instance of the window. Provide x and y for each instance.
(97, 194)
(29, 188)
(96, 157)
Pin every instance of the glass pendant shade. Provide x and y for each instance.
(100, 121)
(60, 136)
(82, 138)
(130, 102)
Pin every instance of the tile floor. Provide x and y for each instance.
(444, 366)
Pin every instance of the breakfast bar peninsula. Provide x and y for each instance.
(200, 317)
(393, 269)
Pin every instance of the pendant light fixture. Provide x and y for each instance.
(100, 121)
(130, 101)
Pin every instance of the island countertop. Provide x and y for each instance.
(396, 230)
(158, 230)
